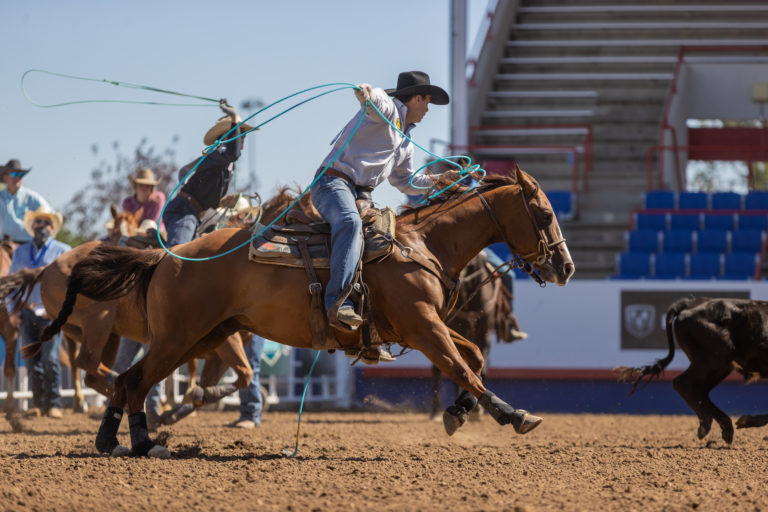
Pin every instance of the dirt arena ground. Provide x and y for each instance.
(389, 461)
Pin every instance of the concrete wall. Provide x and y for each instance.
(718, 90)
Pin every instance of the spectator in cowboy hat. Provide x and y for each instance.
(208, 185)
(145, 198)
(43, 368)
(355, 165)
(15, 201)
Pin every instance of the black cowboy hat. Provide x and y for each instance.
(417, 82)
(12, 165)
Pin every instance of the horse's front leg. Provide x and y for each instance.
(9, 334)
(456, 415)
(229, 354)
(431, 336)
(78, 401)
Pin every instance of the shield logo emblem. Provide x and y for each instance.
(639, 320)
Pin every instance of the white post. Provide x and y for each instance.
(459, 117)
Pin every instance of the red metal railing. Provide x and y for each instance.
(572, 150)
(748, 154)
(588, 146)
(665, 126)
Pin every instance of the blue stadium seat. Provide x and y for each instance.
(562, 202)
(747, 240)
(719, 221)
(690, 221)
(652, 221)
(659, 200)
(692, 201)
(633, 265)
(501, 250)
(677, 240)
(712, 240)
(753, 221)
(726, 201)
(642, 241)
(704, 265)
(670, 265)
(521, 274)
(739, 265)
(756, 200)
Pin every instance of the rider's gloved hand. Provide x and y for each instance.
(364, 93)
(227, 108)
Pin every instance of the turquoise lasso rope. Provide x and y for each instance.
(342, 85)
(286, 451)
(116, 83)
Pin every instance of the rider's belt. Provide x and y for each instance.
(366, 191)
(194, 202)
(338, 174)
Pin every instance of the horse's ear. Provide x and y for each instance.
(113, 211)
(524, 180)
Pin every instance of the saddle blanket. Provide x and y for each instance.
(278, 245)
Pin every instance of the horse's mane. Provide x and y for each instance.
(449, 178)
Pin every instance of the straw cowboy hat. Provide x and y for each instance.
(45, 212)
(222, 126)
(12, 165)
(417, 82)
(143, 176)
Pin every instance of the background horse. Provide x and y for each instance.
(10, 335)
(483, 309)
(410, 292)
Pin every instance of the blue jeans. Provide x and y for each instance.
(181, 222)
(250, 396)
(335, 198)
(124, 360)
(44, 368)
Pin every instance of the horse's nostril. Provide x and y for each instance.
(570, 268)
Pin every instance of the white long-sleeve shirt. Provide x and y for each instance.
(377, 151)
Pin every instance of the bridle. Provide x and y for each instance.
(544, 250)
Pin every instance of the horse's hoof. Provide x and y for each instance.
(120, 451)
(453, 418)
(525, 422)
(703, 430)
(194, 396)
(159, 452)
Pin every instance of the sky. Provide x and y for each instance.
(239, 50)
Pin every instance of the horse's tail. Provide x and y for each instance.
(107, 273)
(18, 286)
(653, 371)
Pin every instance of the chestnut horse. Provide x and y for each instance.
(94, 325)
(7, 330)
(191, 307)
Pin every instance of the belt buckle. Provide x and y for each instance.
(315, 288)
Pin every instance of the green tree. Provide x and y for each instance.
(109, 185)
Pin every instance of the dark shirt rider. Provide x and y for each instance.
(208, 185)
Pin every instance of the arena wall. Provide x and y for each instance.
(577, 335)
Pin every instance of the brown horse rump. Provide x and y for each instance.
(279, 245)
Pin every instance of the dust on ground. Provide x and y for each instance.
(389, 461)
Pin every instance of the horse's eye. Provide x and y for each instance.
(546, 218)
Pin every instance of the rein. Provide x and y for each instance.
(544, 250)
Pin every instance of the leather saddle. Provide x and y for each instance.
(279, 244)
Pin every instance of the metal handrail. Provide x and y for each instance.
(749, 151)
(664, 125)
(573, 150)
(588, 145)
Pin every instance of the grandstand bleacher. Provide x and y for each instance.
(721, 240)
